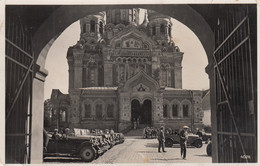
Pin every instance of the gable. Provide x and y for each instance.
(132, 39)
(141, 82)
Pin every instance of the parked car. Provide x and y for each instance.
(206, 136)
(86, 147)
(193, 140)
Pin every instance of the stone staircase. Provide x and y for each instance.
(136, 133)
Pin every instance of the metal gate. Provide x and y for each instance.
(235, 84)
(18, 80)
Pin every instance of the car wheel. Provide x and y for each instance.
(198, 144)
(168, 143)
(87, 154)
(209, 152)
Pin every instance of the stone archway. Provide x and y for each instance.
(48, 31)
(141, 112)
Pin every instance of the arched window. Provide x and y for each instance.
(92, 74)
(185, 110)
(174, 110)
(87, 113)
(170, 30)
(101, 28)
(110, 110)
(153, 30)
(84, 28)
(92, 26)
(164, 77)
(162, 29)
(99, 108)
(165, 110)
(62, 115)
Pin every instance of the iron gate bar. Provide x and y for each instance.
(222, 102)
(18, 92)
(30, 56)
(18, 63)
(250, 61)
(234, 49)
(229, 107)
(236, 28)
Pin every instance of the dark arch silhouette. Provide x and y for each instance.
(141, 112)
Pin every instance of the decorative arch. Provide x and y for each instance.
(186, 107)
(176, 106)
(45, 35)
(86, 109)
(99, 106)
(162, 28)
(110, 108)
(63, 114)
(166, 108)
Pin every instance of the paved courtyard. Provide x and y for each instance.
(137, 150)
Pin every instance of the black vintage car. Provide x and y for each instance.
(86, 147)
(193, 140)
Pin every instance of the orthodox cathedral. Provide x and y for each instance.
(120, 71)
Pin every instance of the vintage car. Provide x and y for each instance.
(193, 140)
(120, 138)
(206, 136)
(86, 147)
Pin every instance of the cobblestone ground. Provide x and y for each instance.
(135, 150)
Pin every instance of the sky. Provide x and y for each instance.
(194, 59)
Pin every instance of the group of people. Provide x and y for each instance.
(183, 140)
(136, 122)
(150, 132)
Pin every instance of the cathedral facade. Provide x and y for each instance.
(121, 70)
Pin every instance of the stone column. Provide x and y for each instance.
(71, 74)
(178, 77)
(157, 112)
(210, 71)
(169, 84)
(38, 116)
(124, 111)
(78, 69)
(180, 111)
(108, 73)
(178, 70)
(155, 65)
(74, 111)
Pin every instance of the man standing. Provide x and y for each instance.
(161, 139)
(183, 141)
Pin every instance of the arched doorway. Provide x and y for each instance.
(143, 111)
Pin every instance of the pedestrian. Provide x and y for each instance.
(137, 122)
(199, 133)
(161, 140)
(183, 141)
(134, 124)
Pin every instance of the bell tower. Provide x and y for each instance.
(92, 27)
(160, 27)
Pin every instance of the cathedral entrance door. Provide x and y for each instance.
(141, 111)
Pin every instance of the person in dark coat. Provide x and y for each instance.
(183, 141)
(161, 139)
